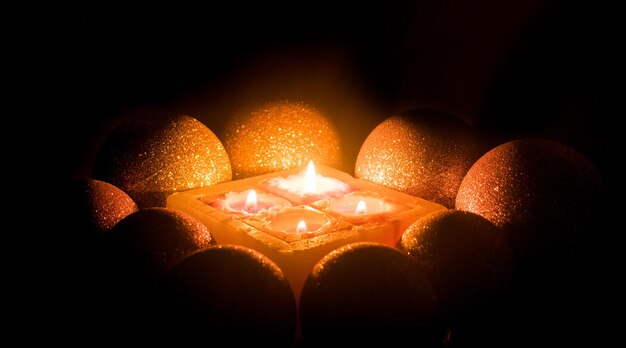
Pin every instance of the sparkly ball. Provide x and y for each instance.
(153, 240)
(87, 210)
(93, 207)
(467, 258)
(158, 153)
(366, 292)
(235, 293)
(279, 136)
(421, 152)
(545, 194)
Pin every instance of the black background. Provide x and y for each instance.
(511, 69)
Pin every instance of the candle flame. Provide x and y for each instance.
(301, 227)
(361, 208)
(251, 201)
(310, 179)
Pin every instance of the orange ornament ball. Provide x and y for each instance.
(158, 153)
(368, 292)
(234, 293)
(422, 152)
(151, 241)
(467, 258)
(279, 136)
(87, 211)
(544, 194)
(138, 253)
(94, 207)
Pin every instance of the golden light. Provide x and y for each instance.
(157, 153)
(251, 201)
(295, 228)
(301, 227)
(279, 136)
(361, 208)
(424, 153)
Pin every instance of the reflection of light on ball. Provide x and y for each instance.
(235, 293)
(96, 206)
(367, 291)
(541, 191)
(158, 153)
(280, 136)
(421, 152)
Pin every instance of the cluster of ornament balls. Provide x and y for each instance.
(521, 199)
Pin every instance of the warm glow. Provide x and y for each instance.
(310, 179)
(361, 208)
(278, 136)
(301, 227)
(251, 201)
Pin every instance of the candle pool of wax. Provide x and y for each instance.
(323, 185)
(240, 203)
(286, 222)
(306, 186)
(372, 208)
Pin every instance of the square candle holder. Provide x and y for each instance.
(360, 211)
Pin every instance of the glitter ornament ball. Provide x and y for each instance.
(422, 152)
(467, 258)
(153, 240)
(545, 194)
(368, 292)
(95, 207)
(158, 153)
(234, 293)
(279, 136)
(88, 211)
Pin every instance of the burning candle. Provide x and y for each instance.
(361, 208)
(364, 207)
(310, 179)
(248, 202)
(307, 186)
(314, 211)
(297, 223)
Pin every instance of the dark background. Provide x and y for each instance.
(512, 69)
(521, 68)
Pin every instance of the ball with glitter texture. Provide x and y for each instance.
(545, 194)
(279, 136)
(88, 211)
(235, 293)
(158, 153)
(94, 207)
(368, 292)
(137, 255)
(422, 152)
(153, 240)
(467, 258)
